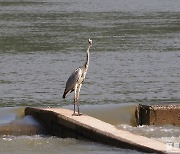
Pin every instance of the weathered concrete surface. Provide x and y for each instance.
(158, 114)
(60, 122)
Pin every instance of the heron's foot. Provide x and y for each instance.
(79, 114)
(76, 114)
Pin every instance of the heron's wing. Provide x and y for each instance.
(71, 82)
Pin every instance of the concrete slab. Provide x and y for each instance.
(60, 122)
(158, 114)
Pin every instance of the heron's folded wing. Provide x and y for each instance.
(71, 82)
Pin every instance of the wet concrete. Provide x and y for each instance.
(60, 122)
(158, 114)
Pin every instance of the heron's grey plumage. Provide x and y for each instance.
(76, 79)
(71, 82)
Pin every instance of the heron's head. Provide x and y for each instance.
(90, 42)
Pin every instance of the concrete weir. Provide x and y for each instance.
(60, 122)
(158, 114)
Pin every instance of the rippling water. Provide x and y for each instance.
(135, 58)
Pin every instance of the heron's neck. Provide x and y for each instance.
(87, 58)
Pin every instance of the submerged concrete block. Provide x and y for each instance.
(158, 114)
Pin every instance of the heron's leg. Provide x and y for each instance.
(78, 93)
(75, 98)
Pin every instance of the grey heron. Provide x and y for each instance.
(76, 80)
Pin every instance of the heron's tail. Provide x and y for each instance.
(67, 92)
(64, 95)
